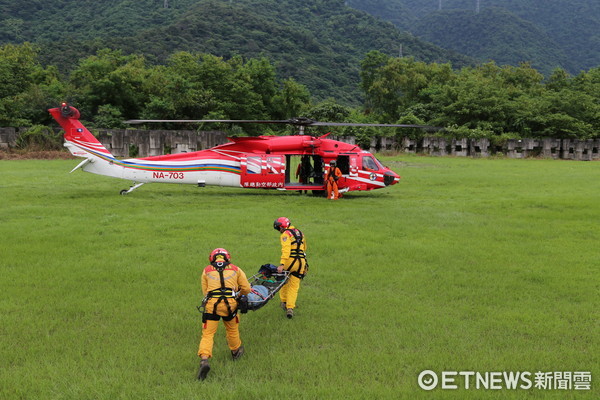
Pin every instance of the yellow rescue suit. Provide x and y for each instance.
(293, 259)
(220, 289)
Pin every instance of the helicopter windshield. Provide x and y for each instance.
(380, 164)
(371, 163)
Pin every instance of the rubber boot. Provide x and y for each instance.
(289, 313)
(203, 371)
(235, 354)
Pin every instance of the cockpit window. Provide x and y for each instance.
(369, 163)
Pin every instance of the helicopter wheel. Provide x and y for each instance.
(320, 193)
(123, 192)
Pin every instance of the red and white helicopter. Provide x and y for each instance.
(296, 163)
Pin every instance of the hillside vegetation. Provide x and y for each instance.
(493, 34)
(497, 102)
(548, 34)
(319, 43)
(277, 60)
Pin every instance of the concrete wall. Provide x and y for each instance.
(123, 142)
(144, 143)
(567, 149)
(8, 138)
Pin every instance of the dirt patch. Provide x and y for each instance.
(35, 155)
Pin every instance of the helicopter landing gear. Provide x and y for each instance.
(131, 188)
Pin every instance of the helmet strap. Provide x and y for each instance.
(219, 265)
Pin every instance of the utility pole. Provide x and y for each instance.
(476, 6)
(166, 4)
(439, 5)
(400, 52)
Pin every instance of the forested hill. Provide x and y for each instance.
(319, 43)
(543, 32)
(494, 34)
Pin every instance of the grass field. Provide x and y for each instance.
(466, 265)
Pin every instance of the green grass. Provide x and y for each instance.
(466, 265)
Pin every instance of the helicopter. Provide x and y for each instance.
(288, 163)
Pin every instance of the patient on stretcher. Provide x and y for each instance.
(265, 284)
(258, 295)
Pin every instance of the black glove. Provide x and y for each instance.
(242, 303)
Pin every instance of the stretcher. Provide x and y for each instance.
(265, 284)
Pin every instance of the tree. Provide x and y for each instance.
(26, 88)
(109, 77)
(399, 83)
(369, 73)
(201, 86)
(292, 100)
(328, 111)
(18, 63)
(558, 80)
(109, 117)
(260, 74)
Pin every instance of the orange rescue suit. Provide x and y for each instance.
(331, 179)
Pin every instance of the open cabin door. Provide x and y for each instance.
(304, 172)
(262, 171)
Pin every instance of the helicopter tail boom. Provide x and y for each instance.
(78, 139)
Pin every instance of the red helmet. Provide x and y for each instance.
(281, 222)
(219, 252)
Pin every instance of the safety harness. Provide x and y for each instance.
(222, 294)
(297, 254)
(331, 174)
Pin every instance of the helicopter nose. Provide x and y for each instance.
(390, 178)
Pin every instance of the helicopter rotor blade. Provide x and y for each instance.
(376, 125)
(199, 121)
(300, 121)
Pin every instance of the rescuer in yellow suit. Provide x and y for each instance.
(222, 282)
(331, 179)
(293, 259)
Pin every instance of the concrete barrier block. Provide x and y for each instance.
(8, 137)
(551, 148)
(479, 147)
(409, 145)
(459, 147)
